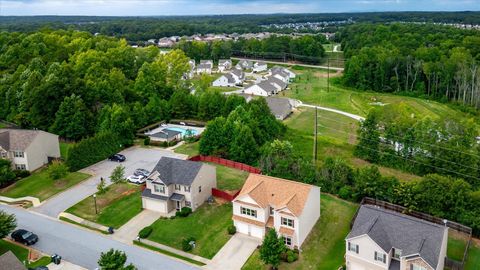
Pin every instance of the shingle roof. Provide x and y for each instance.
(176, 171)
(148, 193)
(279, 106)
(229, 77)
(10, 262)
(166, 134)
(267, 86)
(276, 192)
(224, 61)
(277, 81)
(17, 139)
(394, 230)
(237, 72)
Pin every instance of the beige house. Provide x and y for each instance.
(28, 149)
(291, 208)
(385, 240)
(176, 183)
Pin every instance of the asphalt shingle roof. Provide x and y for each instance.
(279, 106)
(395, 230)
(166, 134)
(267, 86)
(9, 261)
(17, 139)
(177, 171)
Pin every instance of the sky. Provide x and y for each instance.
(204, 7)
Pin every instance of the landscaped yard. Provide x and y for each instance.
(21, 253)
(208, 225)
(41, 186)
(189, 149)
(456, 246)
(229, 178)
(116, 207)
(325, 246)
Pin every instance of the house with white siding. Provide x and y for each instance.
(238, 75)
(259, 66)
(225, 80)
(205, 67)
(224, 65)
(263, 89)
(244, 65)
(289, 207)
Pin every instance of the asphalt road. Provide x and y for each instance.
(83, 247)
(136, 158)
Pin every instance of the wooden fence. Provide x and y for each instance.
(224, 195)
(227, 163)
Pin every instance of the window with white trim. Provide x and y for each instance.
(287, 240)
(288, 222)
(186, 188)
(188, 204)
(353, 247)
(248, 211)
(380, 257)
(414, 266)
(18, 154)
(3, 154)
(178, 187)
(159, 188)
(20, 167)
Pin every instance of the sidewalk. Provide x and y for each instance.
(176, 251)
(65, 266)
(82, 221)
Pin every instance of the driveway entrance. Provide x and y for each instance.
(234, 253)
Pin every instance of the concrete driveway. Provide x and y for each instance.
(234, 253)
(129, 231)
(137, 157)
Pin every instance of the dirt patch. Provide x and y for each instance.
(221, 201)
(60, 183)
(325, 75)
(128, 192)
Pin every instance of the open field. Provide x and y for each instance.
(325, 246)
(116, 207)
(41, 186)
(208, 225)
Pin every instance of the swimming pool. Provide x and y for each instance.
(183, 131)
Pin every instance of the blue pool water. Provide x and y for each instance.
(183, 131)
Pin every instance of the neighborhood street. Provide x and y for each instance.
(83, 247)
(137, 157)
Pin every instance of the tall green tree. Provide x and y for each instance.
(243, 148)
(72, 120)
(114, 260)
(368, 146)
(8, 223)
(272, 248)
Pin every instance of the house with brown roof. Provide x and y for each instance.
(28, 149)
(291, 208)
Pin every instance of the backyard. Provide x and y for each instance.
(229, 178)
(208, 225)
(21, 253)
(64, 147)
(189, 149)
(115, 207)
(40, 185)
(325, 246)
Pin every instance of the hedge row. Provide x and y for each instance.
(92, 150)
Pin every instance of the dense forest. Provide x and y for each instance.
(144, 28)
(424, 60)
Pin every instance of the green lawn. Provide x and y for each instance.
(116, 207)
(189, 149)
(41, 186)
(64, 149)
(208, 225)
(229, 178)
(473, 257)
(2, 125)
(324, 248)
(456, 247)
(21, 253)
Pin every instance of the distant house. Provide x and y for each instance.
(166, 42)
(289, 207)
(260, 66)
(9, 261)
(176, 183)
(281, 108)
(279, 84)
(205, 67)
(383, 239)
(166, 135)
(284, 73)
(264, 89)
(238, 75)
(224, 64)
(28, 149)
(226, 80)
(244, 64)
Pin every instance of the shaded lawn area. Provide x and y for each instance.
(116, 207)
(456, 247)
(41, 186)
(21, 253)
(473, 257)
(189, 149)
(208, 225)
(229, 178)
(324, 248)
(64, 147)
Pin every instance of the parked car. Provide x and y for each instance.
(25, 237)
(136, 179)
(117, 158)
(143, 172)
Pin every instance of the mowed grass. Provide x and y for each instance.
(208, 225)
(64, 147)
(324, 248)
(116, 207)
(21, 253)
(229, 178)
(41, 186)
(456, 247)
(473, 257)
(189, 149)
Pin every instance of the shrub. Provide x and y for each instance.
(21, 173)
(146, 141)
(184, 212)
(145, 232)
(118, 174)
(345, 193)
(232, 229)
(186, 243)
(291, 256)
(102, 187)
(57, 170)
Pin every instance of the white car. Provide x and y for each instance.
(136, 179)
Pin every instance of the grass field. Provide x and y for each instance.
(189, 149)
(208, 225)
(41, 186)
(116, 207)
(456, 247)
(229, 178)
(64, 149)
(21, 253)
(473, 257)
(325, 246)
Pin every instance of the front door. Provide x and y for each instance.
(179, 205)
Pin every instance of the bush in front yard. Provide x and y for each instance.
(291, 256)
(145, 232)
(21, 173)
(146, 141)
(186, 243)
(57, 170)
(185, 212)
(232, 229)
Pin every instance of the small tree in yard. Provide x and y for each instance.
(271, 249)
(7, 224)
(118, 174)
(114, 260)
(57, 170)
(102, 187)
(6, 173)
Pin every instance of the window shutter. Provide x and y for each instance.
(375, 255)
(384, 258)
(349, 246)
(357, 248)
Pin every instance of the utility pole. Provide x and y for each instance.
(328, 74)
(315, 136)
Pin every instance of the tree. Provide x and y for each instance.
(6, 173)
(116, 119)
(72, 119)
(8, 223)
(118, 174)
(272, 248)
(368, 146)
(57, 170)
(213, 140)
(114, 260)
(243, 148)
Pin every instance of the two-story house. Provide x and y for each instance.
(224, 65)
(291, 208)
(28, 149)
(381, 239)
(176, 183)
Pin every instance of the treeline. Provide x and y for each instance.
(441, 196)
(423, 60)
(240, 135)
(307, 48)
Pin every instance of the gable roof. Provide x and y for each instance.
(176, 171)
(394, 230)
(267, 86)
(166, 134)
(9, 261)
(277, 81)
(229, 77)
(17, 139)
(237, 72)
(222, 62)
(276, 192)
(279, 106)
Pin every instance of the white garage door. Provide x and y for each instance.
(154, 205)
(355, 266)
(241, 227)
(256, 231)
(249, 229)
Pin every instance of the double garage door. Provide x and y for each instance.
(250, 229)
(155, 205)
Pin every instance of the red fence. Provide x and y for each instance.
(228, 163)
(224, 195)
